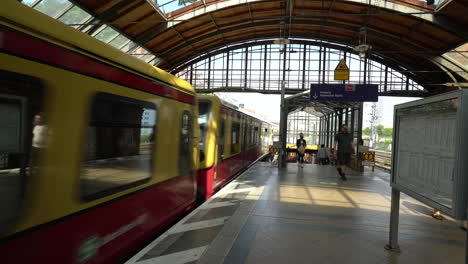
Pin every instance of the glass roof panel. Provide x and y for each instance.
(106, 34)
(28, 2)
(129, 46)
(167, 6)
(459, 55)
(148, 58)
(52, 7)
(67, 13)
(74, 17)
(118, 41)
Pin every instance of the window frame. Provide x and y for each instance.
(238, 136)
(221, 138)
(209, 117)
(190, 143)
(86, 198)
(27, 82)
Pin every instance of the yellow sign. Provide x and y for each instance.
(273, 150)
(342, 71)
(369, 156)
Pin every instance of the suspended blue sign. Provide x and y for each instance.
(344, 92)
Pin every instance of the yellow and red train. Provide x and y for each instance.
(117, 150)
(230, 140)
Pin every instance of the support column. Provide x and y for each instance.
(359, 133)
(265, 66)
(328, 131)
(340, 118)
(283, 134)
(304, 54)
(209, 73)
(283, 117)
(320, 131)
(227, 69)
(394, 217)
(246, 66)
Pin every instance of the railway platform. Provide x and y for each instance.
(305, 215)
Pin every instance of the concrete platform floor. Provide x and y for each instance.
(306, 215)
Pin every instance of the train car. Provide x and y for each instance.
(230, 141)
(266, 136)
(98, 150)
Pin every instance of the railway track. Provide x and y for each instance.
(383, 159)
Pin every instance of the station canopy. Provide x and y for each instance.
(428, 40)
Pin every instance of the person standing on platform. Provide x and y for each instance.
(322, 155)
(344, 140)
(301, 146)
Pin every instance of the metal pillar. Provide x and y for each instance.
(394, 217)
(209, 73)
(265, 66)
(336, 126)
(340, 118)
(246, 66)
(359, 133)
(328, 130)
(283, 117)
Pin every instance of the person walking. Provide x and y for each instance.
(344, 147)
(322, 155)
(301, 145)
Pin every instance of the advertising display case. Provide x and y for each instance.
(430, 154)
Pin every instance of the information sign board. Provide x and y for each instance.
(430, 155)
(344, 92)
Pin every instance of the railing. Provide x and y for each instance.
(383, 159)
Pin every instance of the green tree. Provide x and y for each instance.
(379, 129)
(366, 131)
(387, 132)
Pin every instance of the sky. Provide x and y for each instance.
(269, 106)
(385, 106)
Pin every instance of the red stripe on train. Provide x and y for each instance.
(225, 171)
(105, 234)
(28, 46)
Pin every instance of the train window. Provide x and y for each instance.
(121, 135)
(235, 137)
(204, 108)
(23, 137)
(256, 135)
(244, 136)
(185, 150)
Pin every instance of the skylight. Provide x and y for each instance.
(72, 15)
(459, 55)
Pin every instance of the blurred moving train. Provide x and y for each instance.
(99, 150)
(230, 141)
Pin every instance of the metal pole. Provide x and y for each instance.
(283, 116)
(394, 215)
(359, 133)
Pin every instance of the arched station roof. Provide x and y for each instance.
(408, 33)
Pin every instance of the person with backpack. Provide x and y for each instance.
(301, 146)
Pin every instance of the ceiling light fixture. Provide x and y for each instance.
(363, 48)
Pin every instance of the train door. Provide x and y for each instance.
(23, 137)
(221, 139)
